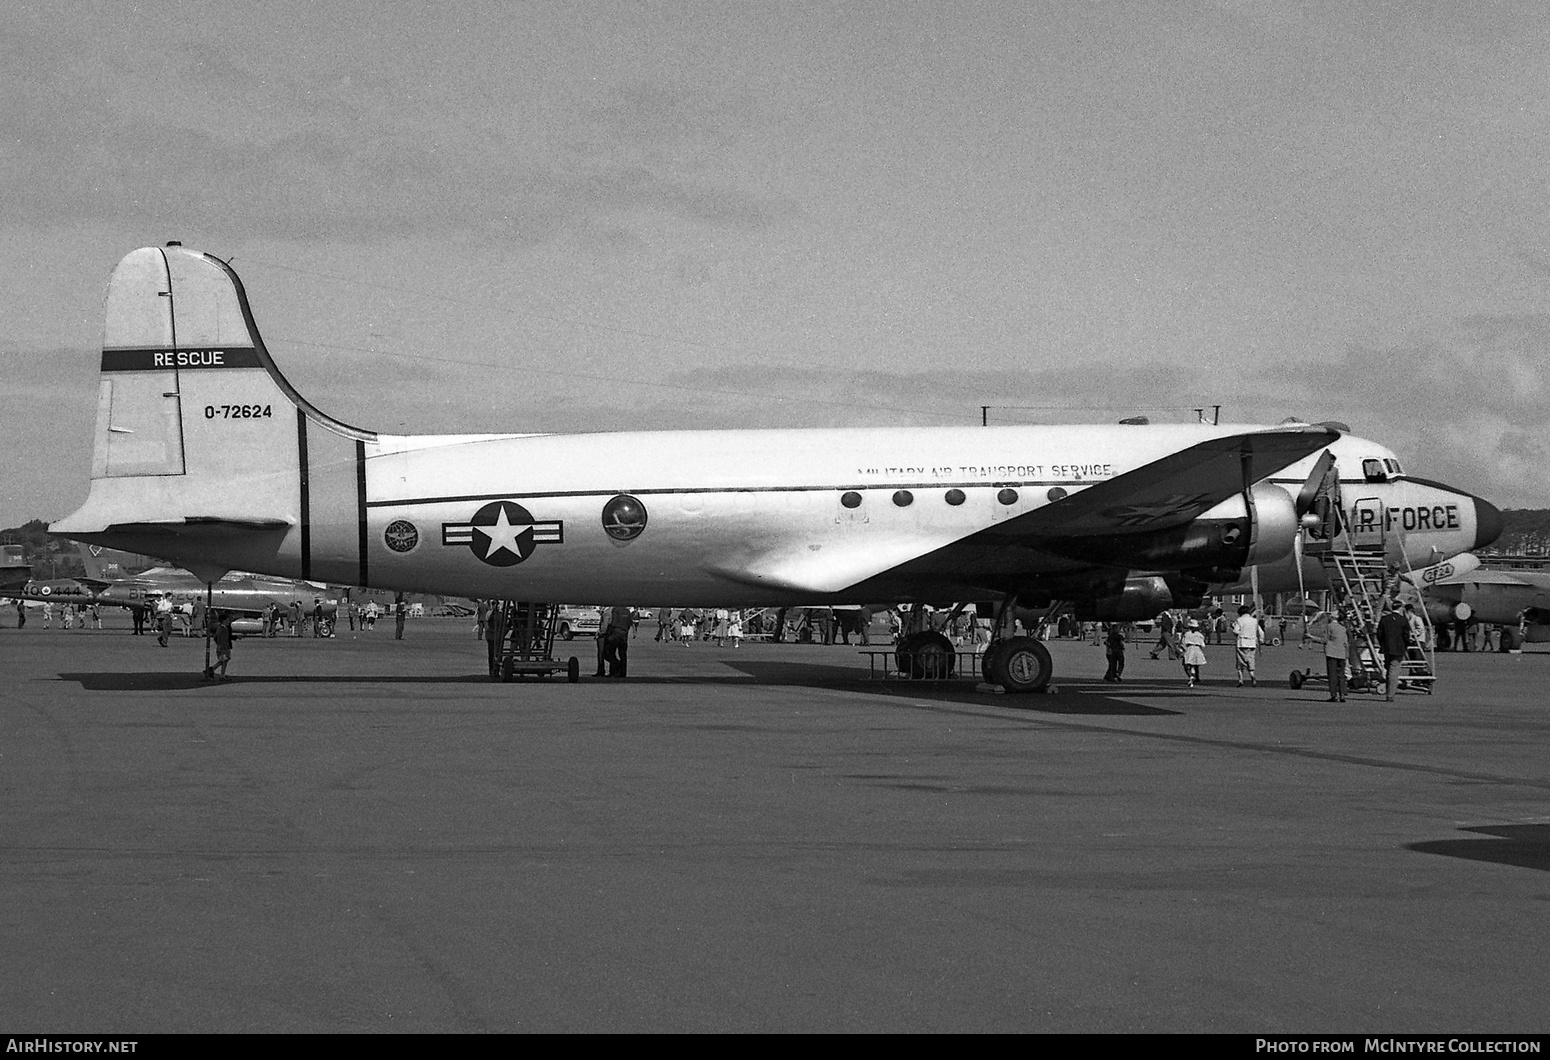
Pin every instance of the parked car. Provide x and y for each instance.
(576, 620)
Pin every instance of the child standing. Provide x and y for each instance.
(1194, 644)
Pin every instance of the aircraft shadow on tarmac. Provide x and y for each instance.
(1084, 697)
(173, 682)
(1525, 846)
(1075, 697)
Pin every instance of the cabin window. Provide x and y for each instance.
(850, 499)
(1056, 493)
(954, 497)
(904, 498)
(1007, 497)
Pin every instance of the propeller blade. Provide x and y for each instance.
(1310, 489)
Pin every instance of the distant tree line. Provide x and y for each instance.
(1525, 531)
(50, 557)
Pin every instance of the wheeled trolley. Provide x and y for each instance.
(520, 639)
(1358, 680)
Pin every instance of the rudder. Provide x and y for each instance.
(198, 433)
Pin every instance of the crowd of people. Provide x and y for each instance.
(1183, 637)
(1347, 651)
(71, 616)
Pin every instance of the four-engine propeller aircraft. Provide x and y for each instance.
(206, 455)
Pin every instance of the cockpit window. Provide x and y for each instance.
(1393, 466)
(1374, 471)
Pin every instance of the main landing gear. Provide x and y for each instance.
(926, 655)
(1017, 664)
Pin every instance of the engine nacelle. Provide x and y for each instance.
(1445, 612)
(1142, 596)
(1250, 528)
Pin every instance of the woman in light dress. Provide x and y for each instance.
(1194, 645)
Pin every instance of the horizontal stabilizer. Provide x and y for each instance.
(188, 526)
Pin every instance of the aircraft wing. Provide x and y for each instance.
(1161, 495)
(1172, 491)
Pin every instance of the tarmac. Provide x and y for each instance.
(366, 835)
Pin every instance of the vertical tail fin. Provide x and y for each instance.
(199, 436)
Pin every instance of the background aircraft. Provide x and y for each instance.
(207, 455)
(243, 593)
(15, 571)
(1494, 598)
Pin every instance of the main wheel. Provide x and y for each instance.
(506, 669)
(1021, 665)
(990, 662)
(573, 670)
(565, 633)
(926, 656)
(1295, 680)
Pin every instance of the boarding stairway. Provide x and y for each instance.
(1359, 575)
(520, 639)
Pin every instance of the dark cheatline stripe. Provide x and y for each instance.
(360, 504)
(306, 496)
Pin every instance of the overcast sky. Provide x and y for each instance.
(567, 216)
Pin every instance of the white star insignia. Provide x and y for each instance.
(503, 535)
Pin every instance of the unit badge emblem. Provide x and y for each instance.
(503, 533)
(401, 535)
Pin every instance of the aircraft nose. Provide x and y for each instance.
(1488, 523)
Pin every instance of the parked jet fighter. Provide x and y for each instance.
(238, 592)
(207, 455)
(1510, 598)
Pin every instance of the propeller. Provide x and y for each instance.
(1309, 494)
(1307, 497)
